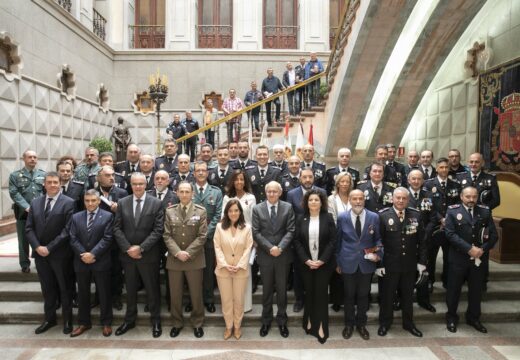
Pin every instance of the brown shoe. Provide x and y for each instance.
(107, 330)
(80, 330)
(237, 333)
(227, 334)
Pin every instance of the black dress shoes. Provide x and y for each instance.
(284, 331)
(336, 307)
(427, 306)
(264, 330)
(298, 306)
(198, 332)
(363, 332)
(382, 330)
(478, 326)
(210, 307)
(124, 328)
(175, 331)
(46, 325)
(347, 332)
(67, 327)
(26, 269)
(188, 307)
(414, 331)
(156, 330)
(452, 327)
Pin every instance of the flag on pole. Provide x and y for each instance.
(263, 138)
(287, 140)
(300, 140)
(311, 137)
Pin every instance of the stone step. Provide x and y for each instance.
(31, 312)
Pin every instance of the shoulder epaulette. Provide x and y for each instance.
(391, 184)
(120, 162)
(412, 208)
(116, 173)
(383, 210)
(429, 180)
(455, 206)
(483, 206)
(319, 163)
(214, 187)
(199, 206)
(362, 182)
(353, 168)
(249, 167)
(78, 182)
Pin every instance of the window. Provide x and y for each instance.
(337, 9)
(148, 31)
(215, 29)
(280, 24)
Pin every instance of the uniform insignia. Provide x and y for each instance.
(287, 184)
(20, 175)
(454, 206)
(213, 176)
(434, 189)
(123, 172)
(253, 178)
(459, 216)
(161, 166)
(366, 192)
(464, 182)
(390, 222)
(195, 218)
(96, 184)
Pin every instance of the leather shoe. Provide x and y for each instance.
(198, 332)
(26, 269)
(478, 326)
(237, 333)
(227, 333)
(107, 330)
(264, 330)
(210, 307)
(363, 332)
(284, 331)
(124, 328)
(175, 331)
(80, 330)
(382, 330)
(427, 306)
(336, 307)
(414, 331)
(67, 327)
(46, 325)
(188, 308)
(452, 327)
(322, 340)
(156, 330)
(298, 306)
(347, 332)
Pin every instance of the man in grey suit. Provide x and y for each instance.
(273, 231)
(138, 227)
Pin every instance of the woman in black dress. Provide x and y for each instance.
(314, 242)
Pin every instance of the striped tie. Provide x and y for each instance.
(90, 221)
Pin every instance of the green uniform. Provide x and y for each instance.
(24, 186)
(83, 171)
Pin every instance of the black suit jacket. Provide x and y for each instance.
(98, 241)
(215, 179)
(51, 232)
(258, 184)
(146, 233)
(124, 169)
(373, 201)
(114, 195)
(168, 199)
(331, 177)
(75, 192)
(486, 185)
(161, 163)
(326, 239)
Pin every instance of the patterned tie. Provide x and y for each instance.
(358, 226)
(48, 207)
(137, 214)
(90, 221)
(273, 214)
(401, 216)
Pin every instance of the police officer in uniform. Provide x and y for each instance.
(191, 125)
(220, 174)
(25, 185)
(183, 172)
(319, 169)
(279, 160)
(389, 173)
(262, 174)
(243, 161)
(291, 178)
(471, 233)
(378, 194)
(106, 158)
(398, 167)
(344, 155)
(89, 165)
(167, 161)
(130, 165)
(456, 167)
(176, 130)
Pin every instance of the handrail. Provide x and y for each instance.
(336, 38)
(250, 107)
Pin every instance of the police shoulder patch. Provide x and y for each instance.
(483, 206)
(412, 208)
(455, 206)
(391, 184)
(383, 210)
(78, 182)
(361, 182)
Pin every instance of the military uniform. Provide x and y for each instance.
(389, 175)
(486, 185)
(219, 179)
(258, 183)
(331, 177)
(190, 144)
(373, 201)
(211, 200)
(176, 130)
(186, 232)
(399, 170)
(83, 170)
(177, 178)
(240, 164)
(166, 163)
(320, 173)
(119, 181)
(463, 232)
(24, 186)
(126, 169)
(282, 166)
(404, 247)
(453, 173)
(289, 182)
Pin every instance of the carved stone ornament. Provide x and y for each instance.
(477, 59)
(66, 81)
(12, 58)
(103, 97)
(143, 104)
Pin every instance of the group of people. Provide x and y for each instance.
(285, 223)
(297, 100)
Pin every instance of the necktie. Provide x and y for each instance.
(295, 179)
(426, 174)
(137, 214)
(48, 207)
(148, 179)
(183, 177)
(343, 170)
(63, 189)
(358, 226)
(470, 211)
(474, 179)
(273, 214)
(132, 168)
(159, 195)
(308, 165)
(222, 173)
(243, 165)
(201, 189)
(443, 185)
(416, 195)
(376, 188)
(170, 160)
(184, 211)
(401, 216)
(90, 221)
(262, 173)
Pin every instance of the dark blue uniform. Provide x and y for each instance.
(331, 177)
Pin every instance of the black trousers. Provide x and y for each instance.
(268, 110)
(209, 274)
(475, 277)
(337, 289)
(56, 283)
(274, 277)
(189, 148)
(357, 288)
(116, 272)
(298, 287)
(316, 309)
(150, 276)
(390, 283)
(102, 281)
(439, 240)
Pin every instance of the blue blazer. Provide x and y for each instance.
(295, 198)
(350, 248)
(97, 241)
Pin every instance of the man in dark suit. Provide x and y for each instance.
(471, 233)
(106, 158)
(405, 254)
(71, 188)
(167, 161)
(358, 249)
(138, 227)
(220, 174)
(130, 165)
(426, 164)
(378, 194)
(344, 156)
(46, 231)
(319, 169)
(413, 162)
(262, 174)
(273, 230)
(456, 167)
(183, 172)
(91, 240)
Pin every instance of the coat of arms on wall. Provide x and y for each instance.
(499, 126)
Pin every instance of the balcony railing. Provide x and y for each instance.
(215, 36)
(280, 37)
(99, 25)
(332, 36)
(146, 36)
(66, 4)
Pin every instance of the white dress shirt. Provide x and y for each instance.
(362, 217)
(314, 236)
(134, 203)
